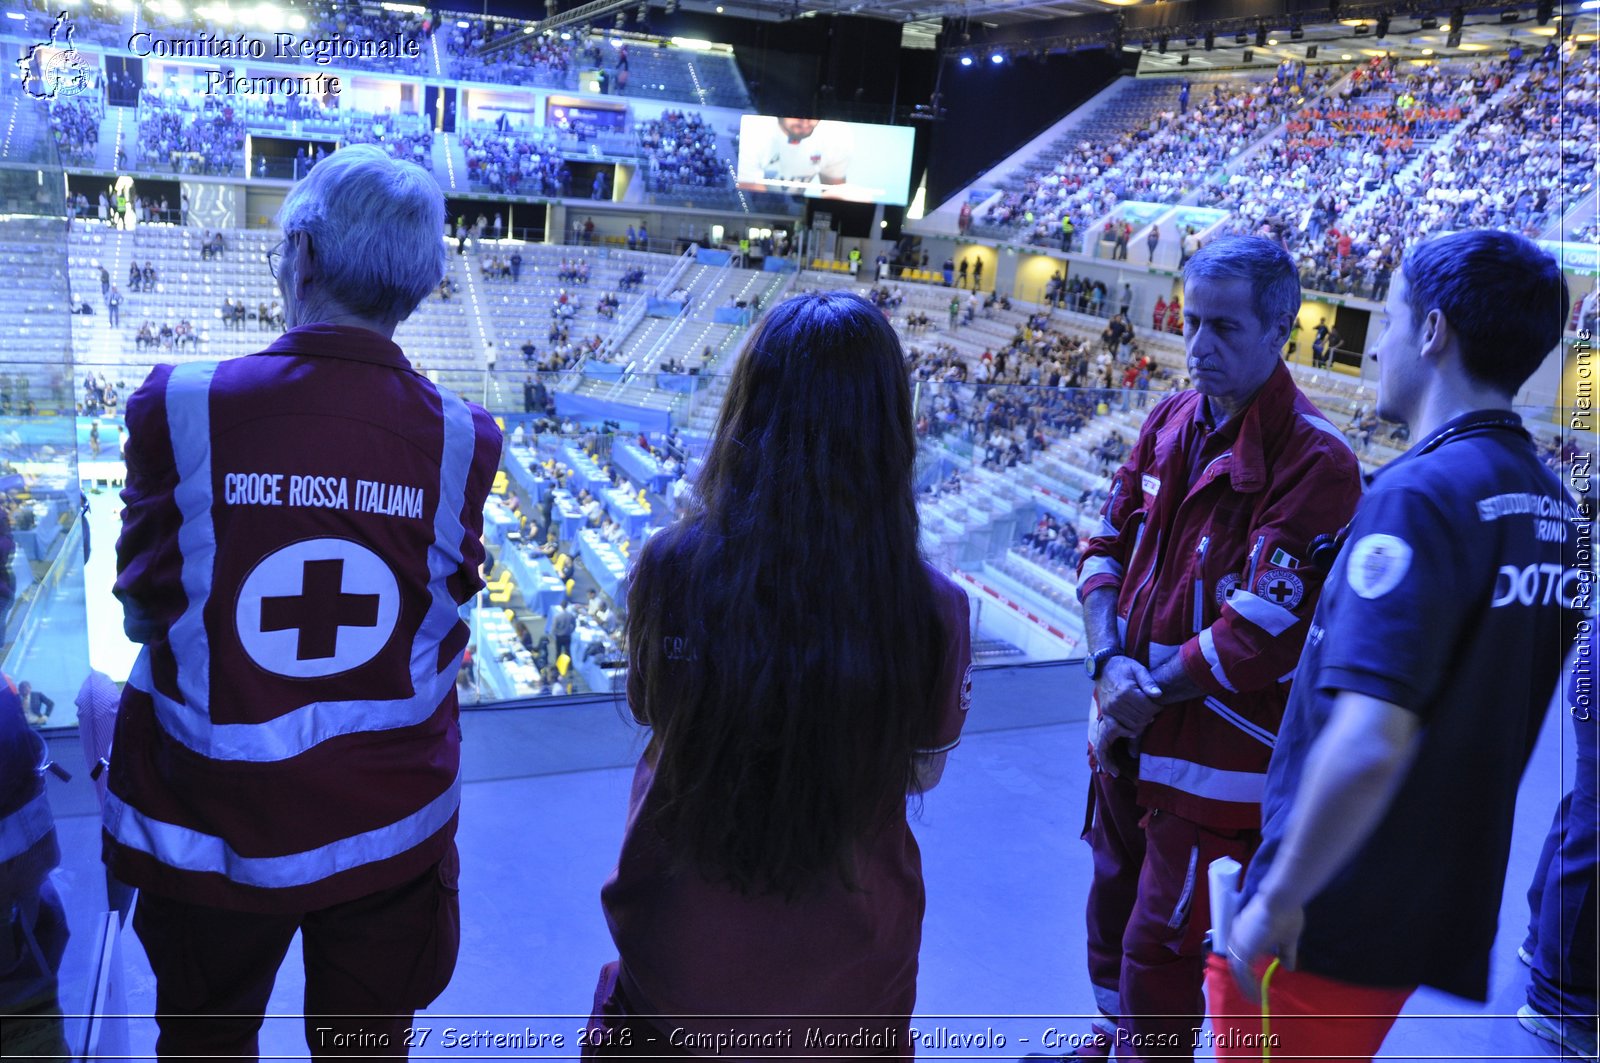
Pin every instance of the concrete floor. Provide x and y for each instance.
(542, 817)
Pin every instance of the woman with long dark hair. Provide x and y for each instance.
(802, 671)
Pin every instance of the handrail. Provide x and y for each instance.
(673, 275)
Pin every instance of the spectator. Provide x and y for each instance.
(770, 836)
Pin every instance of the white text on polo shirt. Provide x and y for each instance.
(321, 492)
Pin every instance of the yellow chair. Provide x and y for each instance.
(511, 616)
(571, 583)
(500, 596)
(501, 421)
(561, 561)
(500, 483)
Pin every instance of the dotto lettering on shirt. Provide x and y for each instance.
(322, 492)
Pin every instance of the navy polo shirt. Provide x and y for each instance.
(1455, 596)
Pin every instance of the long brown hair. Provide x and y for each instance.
(783, 634)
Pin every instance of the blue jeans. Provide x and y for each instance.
(1562, 901)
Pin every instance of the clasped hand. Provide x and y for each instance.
(1126, 693)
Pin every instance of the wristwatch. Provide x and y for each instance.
(1095, 663)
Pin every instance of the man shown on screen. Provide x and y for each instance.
(805, 150)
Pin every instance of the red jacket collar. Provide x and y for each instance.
(1264, 420)
(321, 340)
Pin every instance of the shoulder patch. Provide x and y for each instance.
(966, 690)
(1150, 485)
(1377, 564)
(1280, 587)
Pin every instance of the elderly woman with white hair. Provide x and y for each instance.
(300, 529)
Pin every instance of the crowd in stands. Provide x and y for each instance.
(1540, 136)
(539, 59)
(75, 121)
(1328, 188)
(515, 163)
(236, 312)
(1054, 541)
(370, 22)
(1157, 161)
(403, 136)
(167, 337)
(573, 271)
(680, 151)
(179, 134)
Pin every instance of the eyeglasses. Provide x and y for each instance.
(275, 256)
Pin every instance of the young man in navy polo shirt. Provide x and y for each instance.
(1425, 678)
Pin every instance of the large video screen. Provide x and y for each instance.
(826, 159)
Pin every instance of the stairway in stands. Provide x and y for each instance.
(119, 127)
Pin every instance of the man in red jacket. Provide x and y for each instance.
(1197, 592)
(301, 527)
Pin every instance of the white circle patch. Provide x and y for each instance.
(1377, 564)
(316, 608)
(1281, 587)
(1225, 587)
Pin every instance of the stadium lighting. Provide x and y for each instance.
(19, 16)
(997, 58)
(463, 24)
(694, 44)
(269, 16)
(527, 29)
(966, 60)
(1346, 57)
(566, 36)
(1589, 5)
(1272, 42)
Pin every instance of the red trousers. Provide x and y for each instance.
(1306, 1016)
(370, 964)
(1148, 913)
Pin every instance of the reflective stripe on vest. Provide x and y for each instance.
(189, 721)
(26, 827)
(1270, 617)
(1214, 783)
(191, 850)
(1208, 650)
